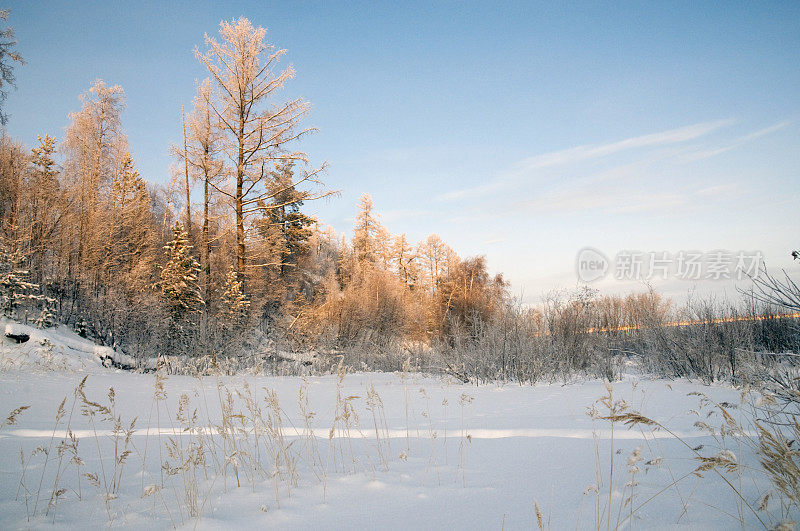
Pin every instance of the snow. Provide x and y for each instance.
(458, 456)
(15, 329)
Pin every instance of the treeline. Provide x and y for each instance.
(580, 333)
(224, 258)
(87, 242)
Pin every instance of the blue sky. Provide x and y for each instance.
(521, 131)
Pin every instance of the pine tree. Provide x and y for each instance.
(15, 289)
(179, 285)
(45, 207)
(132, 219)
(285, 215)
(42, 159)
(47, 316)
(285, 231)
(234, 304)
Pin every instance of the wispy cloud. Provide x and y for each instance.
(708, 153)
(474, 191)
(719, 190)
(621, 199)
(495, 239)
(606, 202)
(587, 152)
(766, 131)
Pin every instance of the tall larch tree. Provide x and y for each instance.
(370, 237)
(259, 128)
(13, 161)
(434, 256)
(94, 146)
(404, 259)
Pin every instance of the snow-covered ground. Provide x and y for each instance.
(423, 452)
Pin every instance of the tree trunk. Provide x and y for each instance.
(186, 175)
(206, 239)
(239, 203)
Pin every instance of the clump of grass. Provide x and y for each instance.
(189, 458)
(249, 441)
(539, 517)
(375, 407)
(466, 438)
(780, 459)
(614, 411)
(432, 434)
(283, 458)
(310, 440)
(227, 431)
(345, 420)
(724, 461)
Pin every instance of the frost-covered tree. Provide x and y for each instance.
(370, 237)
(283, 232)
(15, 288)
(259, 129)
(287, 226)
(435, 257)
(201, 153)
(47, 317)
(131, 230)
(179, 285)
(8, 56)
(468, 297)
(13, 160)
(110, 232)
(234, 304)
(94, 146)
(127, 187)
(404, 259)
(45, 206)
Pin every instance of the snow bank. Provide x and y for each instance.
(57, 348)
